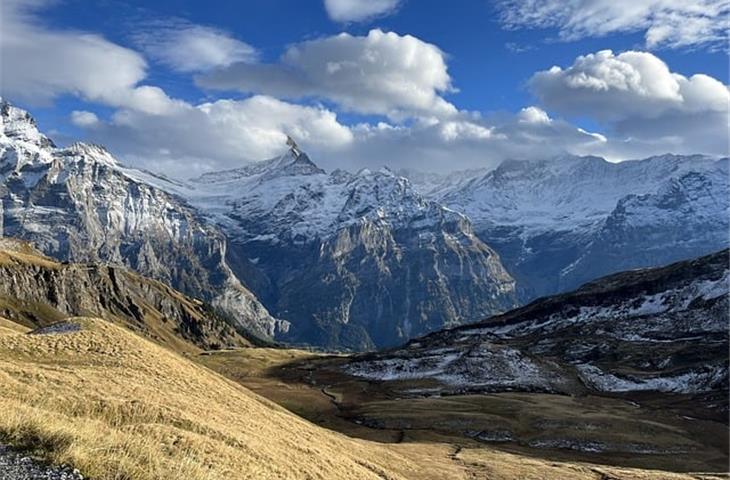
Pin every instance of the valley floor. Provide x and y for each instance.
(496, 436)
(117, 406)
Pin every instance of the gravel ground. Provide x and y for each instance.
(16, 466)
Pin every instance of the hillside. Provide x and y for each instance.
(36, 291)
(661, 330)
(116, 406)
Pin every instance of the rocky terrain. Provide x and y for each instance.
(78, 204)
(16, 466)
(560, 222)
(352, 260)
(37, 291)
(660, 330)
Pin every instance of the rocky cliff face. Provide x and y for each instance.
(352, 260)
(78, 204)
(36, 290)
(560, 222)
(662, 330)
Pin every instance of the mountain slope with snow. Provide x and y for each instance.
(661, 329)
(78, 204)
(558, 223)
(351, 260)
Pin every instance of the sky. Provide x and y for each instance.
(185, 87)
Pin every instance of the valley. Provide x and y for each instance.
(364, 240)
(80, 384)
(645, 431)
(158, 328)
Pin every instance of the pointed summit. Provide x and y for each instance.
(293, 162)
(17, 124)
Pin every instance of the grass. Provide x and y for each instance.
(312, 387)
(117, 406)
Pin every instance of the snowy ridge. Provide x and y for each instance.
(352, 241)
(79, 204)
(659, 329)
(560, 222)
(290, 197)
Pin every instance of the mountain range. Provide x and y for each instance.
(359, 260)
(559, 223)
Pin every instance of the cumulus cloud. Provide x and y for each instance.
(639, 98)
(534, 115)
(186, 47)
(359, 10)
(39, 64)
(82, 118)
(380, 73)
(665, 23)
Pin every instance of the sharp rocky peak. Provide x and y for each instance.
(20, 126)
(293, 162)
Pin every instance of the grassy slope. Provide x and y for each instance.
(117, 406)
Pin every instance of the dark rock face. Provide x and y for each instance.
(35, 290)
(662, 329)
(369, 286)
(353, 261)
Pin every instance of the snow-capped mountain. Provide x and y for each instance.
(560, 222)
(352, 260)
(78, 204)
(661, 329)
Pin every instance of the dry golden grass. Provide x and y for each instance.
(10, 327)
(496, 465)
(119, 407)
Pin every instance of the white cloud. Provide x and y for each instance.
(640, 99)
(217, 135)
(535, 115)
(670, 23)
(187, 47)
(82, 118)
(381, 73)
(453, 131)
(39, 64)
(227, 134)
(359, 10)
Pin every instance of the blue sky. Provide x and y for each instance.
(489, 60)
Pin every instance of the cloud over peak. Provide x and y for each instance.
(636, 95)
